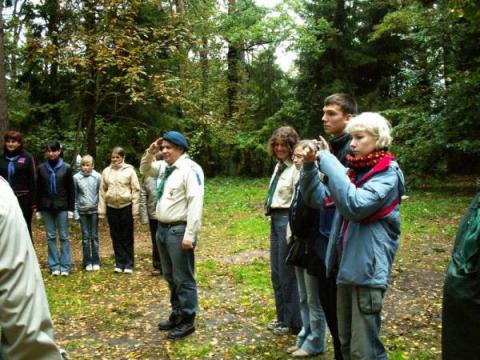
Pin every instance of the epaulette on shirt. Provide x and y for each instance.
(197, 175)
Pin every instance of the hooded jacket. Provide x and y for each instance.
(119, 188)
(362, 243)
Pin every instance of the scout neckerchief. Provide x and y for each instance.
(11, 166)
(53, 177)
(161, 186)
(273, 186)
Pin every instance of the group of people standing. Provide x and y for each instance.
(172, 197)
(58, 195)
(335, 228)
(177, 186)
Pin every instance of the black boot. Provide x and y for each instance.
(186, 327)
(173, 320)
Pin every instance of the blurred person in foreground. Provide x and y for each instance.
(25, 323)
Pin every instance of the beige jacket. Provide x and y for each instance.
(25, 322)
(118, 189)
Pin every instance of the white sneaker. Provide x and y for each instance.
(64, 273)
(96, 267)
(273, 324)
(89, 267)
(117, 270)
(56, 272)
(128, 271)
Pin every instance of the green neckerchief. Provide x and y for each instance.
(161, 186)
(273, 187)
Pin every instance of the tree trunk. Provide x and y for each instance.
(3, 83)
(90, 100)
(233, 57)
(53, 9)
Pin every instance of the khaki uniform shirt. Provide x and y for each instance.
(182, 198)
(283, 195)
(118, 189)
(25, 322)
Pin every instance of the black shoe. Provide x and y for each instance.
(181, 330)
(173, 320)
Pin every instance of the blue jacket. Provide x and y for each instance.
(87, 188)
(369, 242)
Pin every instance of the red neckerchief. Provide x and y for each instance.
(379, 161)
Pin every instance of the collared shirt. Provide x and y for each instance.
(182, 198)
(283, 195)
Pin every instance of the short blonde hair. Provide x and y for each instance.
(375, 124)
(87, 159)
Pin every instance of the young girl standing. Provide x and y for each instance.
(87, 187)
(119, 201)
(55, 201)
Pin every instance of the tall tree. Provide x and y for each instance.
(3, 81)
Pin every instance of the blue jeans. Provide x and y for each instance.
(283, 275)
(89, 223)
(54, 220)
(312, 337)
(359, 318)
(178, 267)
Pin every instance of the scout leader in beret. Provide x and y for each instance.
(180, 192)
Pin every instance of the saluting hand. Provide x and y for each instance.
(155, 146)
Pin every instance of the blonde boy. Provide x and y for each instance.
(87, 186)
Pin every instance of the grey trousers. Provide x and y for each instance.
(178, 268)
(359, 310)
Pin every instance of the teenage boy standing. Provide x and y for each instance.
(338, 110)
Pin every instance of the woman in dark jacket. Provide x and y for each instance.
(55, 201)
(306, 239)
(18, 167)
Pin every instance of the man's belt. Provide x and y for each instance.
(169, 225)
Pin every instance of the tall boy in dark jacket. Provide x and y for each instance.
(338, 110)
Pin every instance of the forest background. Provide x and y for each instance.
(99, 73)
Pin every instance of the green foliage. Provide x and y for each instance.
(96, 75)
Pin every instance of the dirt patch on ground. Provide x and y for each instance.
(247, 257)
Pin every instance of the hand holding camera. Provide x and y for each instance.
(311, 150)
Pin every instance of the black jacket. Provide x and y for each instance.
(304, 224)
(341, 147)
(23, 181)
(64, 199)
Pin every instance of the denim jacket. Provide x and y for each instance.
(87, 188)
(365, 249)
